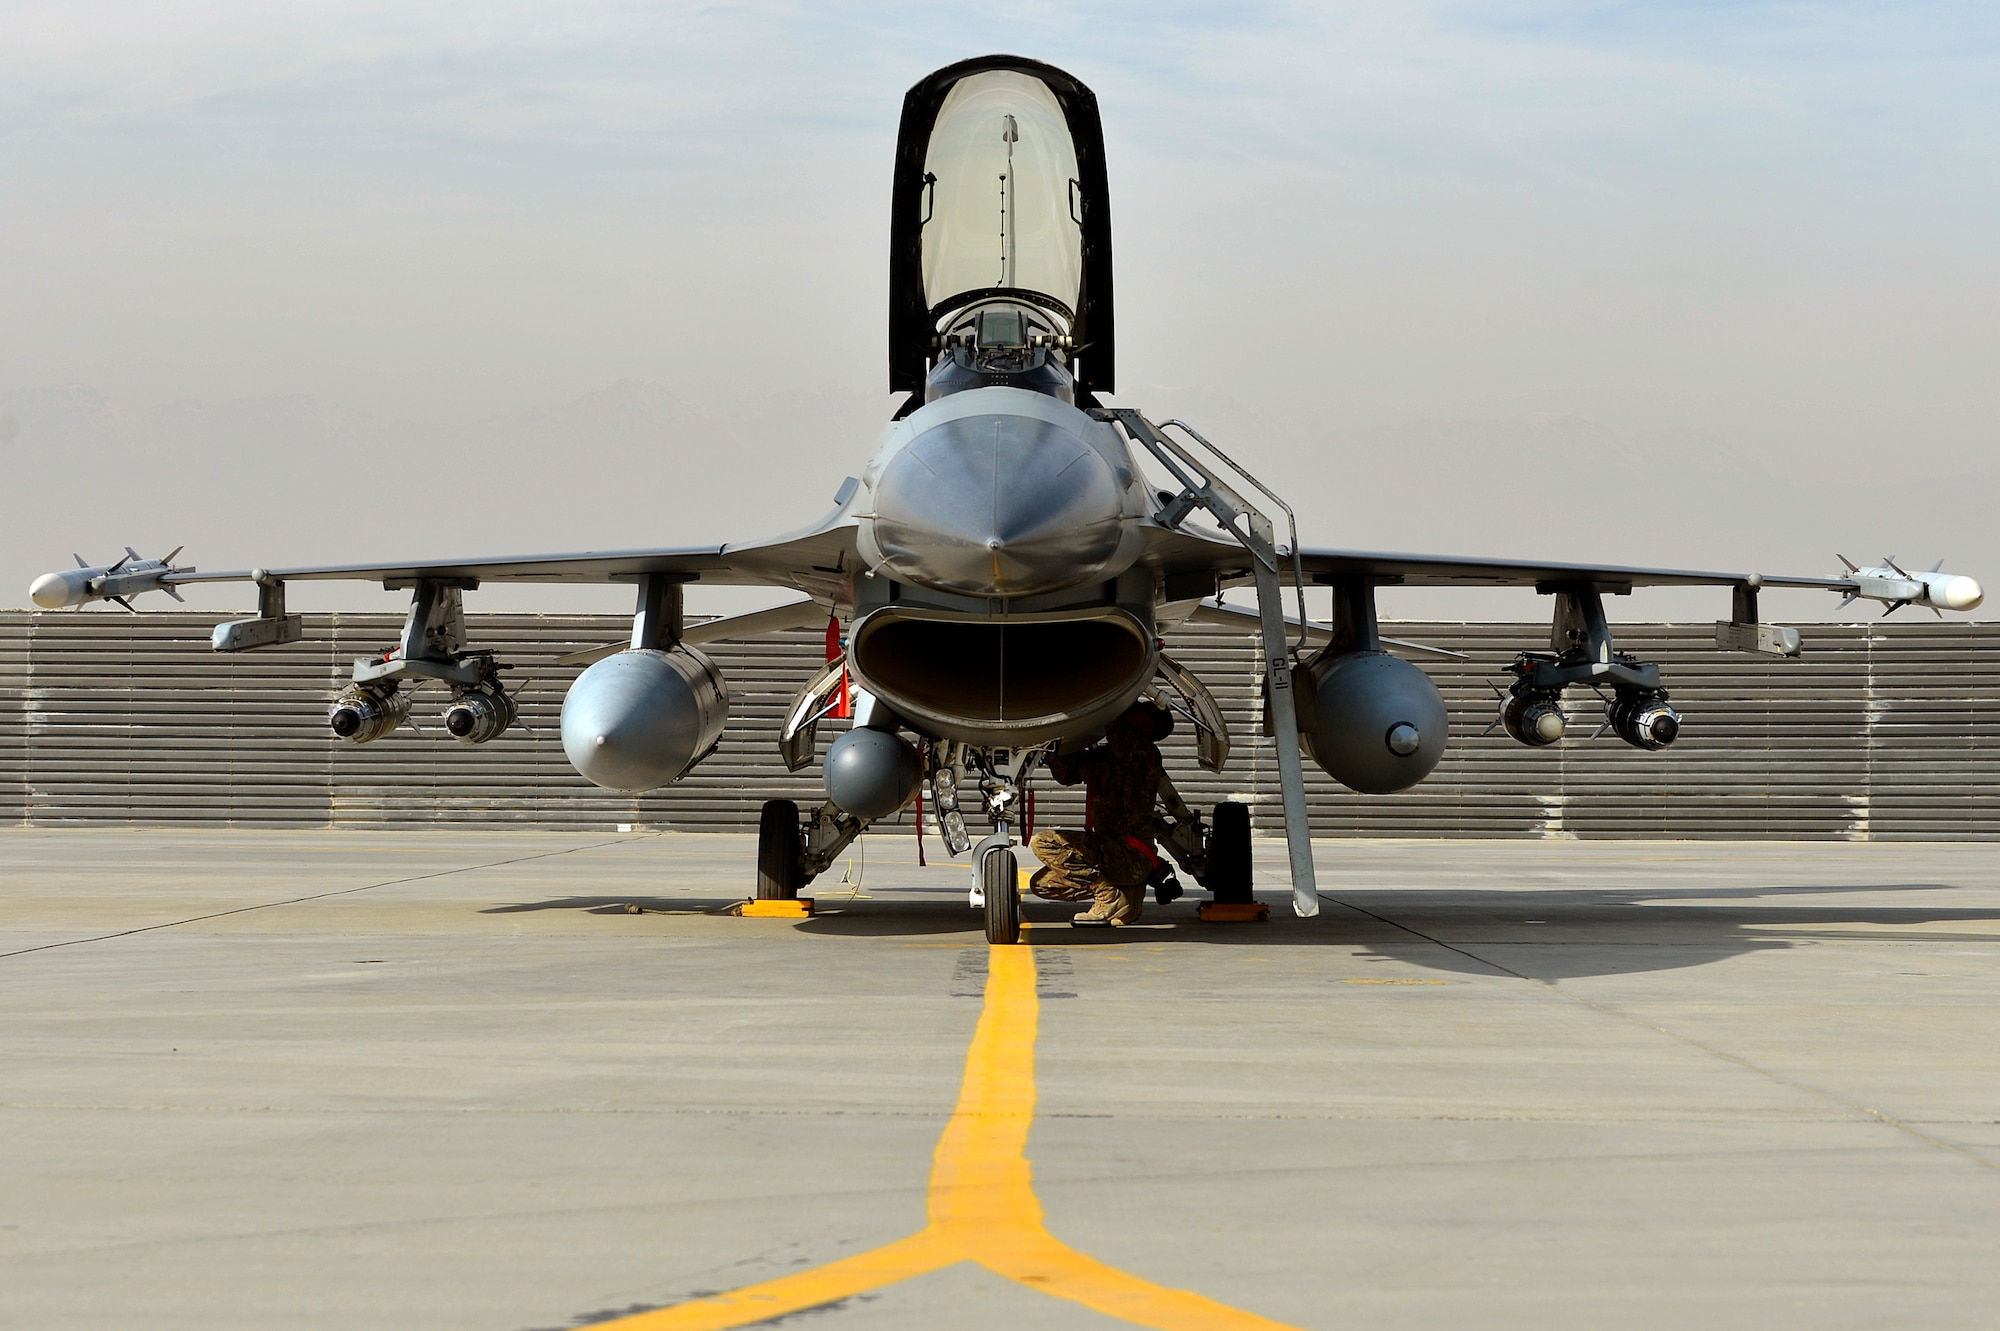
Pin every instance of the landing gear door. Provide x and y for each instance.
(800, 737)
(1181, 692)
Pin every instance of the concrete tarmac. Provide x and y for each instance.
(454, 1080)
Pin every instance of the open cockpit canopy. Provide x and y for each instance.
(1000, 200)
(1000, 190)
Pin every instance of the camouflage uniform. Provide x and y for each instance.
(1126, 780)
(1075, 864)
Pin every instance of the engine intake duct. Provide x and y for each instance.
(1029, 679)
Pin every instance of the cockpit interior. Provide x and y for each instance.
(999, 343)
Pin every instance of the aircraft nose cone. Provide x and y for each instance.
(998, 505)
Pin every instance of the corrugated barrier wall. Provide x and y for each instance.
(1883, 730)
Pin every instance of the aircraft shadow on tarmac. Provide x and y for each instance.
(1569, 934)
(1548, 935)
(619, 906)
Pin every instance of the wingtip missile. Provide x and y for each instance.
(1896, 587)
(119, 582)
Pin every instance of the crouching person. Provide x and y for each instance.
(1110, 863)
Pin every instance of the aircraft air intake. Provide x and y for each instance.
(1028, 679)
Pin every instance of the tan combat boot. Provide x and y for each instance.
(1109, 907)
(1115, 905)
(1134, 902)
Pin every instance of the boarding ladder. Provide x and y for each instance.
(1203, 486)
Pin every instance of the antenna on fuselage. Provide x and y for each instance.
(1010, 136)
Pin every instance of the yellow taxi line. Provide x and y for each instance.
(982, 1205)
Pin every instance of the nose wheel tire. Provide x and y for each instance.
(1229, 854)
(779, 845)
(1000, 881)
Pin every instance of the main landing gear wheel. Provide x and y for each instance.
(1000, 881)
(778, 848)
(1229, 854)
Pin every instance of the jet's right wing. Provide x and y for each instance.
(819, 562)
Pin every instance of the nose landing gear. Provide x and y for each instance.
(1000, 885)
(996, 870)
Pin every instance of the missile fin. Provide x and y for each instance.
(1851, 568)
(1605, 725)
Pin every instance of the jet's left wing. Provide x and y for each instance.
(1247, 538)
(1455, 571)
(1890, 584)
(1189, 557)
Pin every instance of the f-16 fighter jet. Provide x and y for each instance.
(1007, 562)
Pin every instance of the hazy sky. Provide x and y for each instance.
(1708, 284)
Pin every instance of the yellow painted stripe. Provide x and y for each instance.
(916, 1255)
(1056, 1268)
(980, 1184)
(982, 1204)
(983, 1188)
